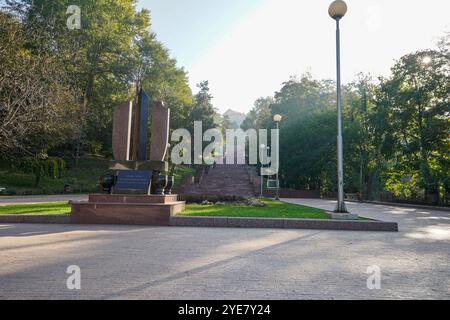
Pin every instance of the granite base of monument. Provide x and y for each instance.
(150, 210)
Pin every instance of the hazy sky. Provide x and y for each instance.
(248, 48)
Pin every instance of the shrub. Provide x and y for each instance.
(95, 147)
(50, 167)
(199, 198)
(255, 203)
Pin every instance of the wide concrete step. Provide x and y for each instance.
(113, 198)
(152, 214)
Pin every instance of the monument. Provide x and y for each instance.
(137, 193)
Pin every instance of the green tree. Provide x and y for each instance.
(415, 105)
(36, 99)
(202, 109)
(259, 114)
(113, 51)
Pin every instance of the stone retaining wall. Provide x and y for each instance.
(224, 222)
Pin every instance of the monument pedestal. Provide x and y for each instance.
(150, 210)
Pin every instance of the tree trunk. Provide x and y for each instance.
(87, 92)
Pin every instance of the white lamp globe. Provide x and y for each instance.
(337, 9)
(277, 118)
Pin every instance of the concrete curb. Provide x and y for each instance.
(28, 218)
(225, 222)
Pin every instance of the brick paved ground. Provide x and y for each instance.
(190, 263)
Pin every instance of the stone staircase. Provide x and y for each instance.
(225, 180)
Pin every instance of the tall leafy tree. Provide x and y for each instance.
(113, 52)
(416, 105)
(203, 109)
(396, 130)
(36, 99)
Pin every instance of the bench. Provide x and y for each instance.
(352, 196)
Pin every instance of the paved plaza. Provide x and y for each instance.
(127, 262)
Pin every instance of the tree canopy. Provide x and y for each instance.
(88, 71)
(396, 129)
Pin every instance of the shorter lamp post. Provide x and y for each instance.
(277, 118)
(262, 147)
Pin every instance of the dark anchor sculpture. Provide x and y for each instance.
(137, 170)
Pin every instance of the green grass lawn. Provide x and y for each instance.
(38, 208)
(274, 209)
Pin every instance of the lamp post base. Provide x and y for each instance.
(341, 208)
(343, 216)
(341, 212)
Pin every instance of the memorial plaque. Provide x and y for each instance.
(133, 181)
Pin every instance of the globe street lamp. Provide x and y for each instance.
(337, 11)
(277, 118)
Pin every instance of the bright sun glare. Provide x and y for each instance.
(426, 60)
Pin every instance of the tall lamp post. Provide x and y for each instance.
(277, 118)
(337, 11)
